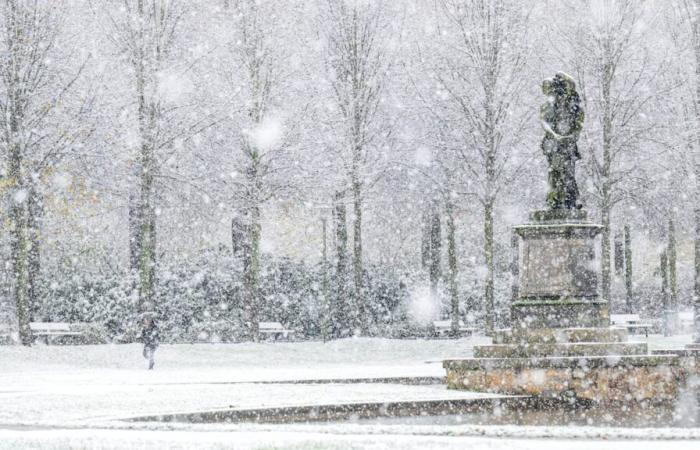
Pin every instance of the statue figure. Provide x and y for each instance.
(562, 120)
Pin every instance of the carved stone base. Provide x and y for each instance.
(656, 379)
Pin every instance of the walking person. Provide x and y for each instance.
(150, 336)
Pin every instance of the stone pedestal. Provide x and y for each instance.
(558, 286)
(561, 343)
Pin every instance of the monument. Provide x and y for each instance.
(561, 343)
(558, 287)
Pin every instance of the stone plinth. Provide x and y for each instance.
(537, 350)
(558, 284)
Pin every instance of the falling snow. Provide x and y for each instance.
(349, 224)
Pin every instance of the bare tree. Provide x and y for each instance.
(341, 322)
(685, 32)
(146, 32)
(357, 63)
(479, 68)
(257, 91)
(34, 95)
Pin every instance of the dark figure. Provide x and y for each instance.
(562, 120)
(150, 336)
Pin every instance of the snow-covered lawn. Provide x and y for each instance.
(86, 385)
(76, 396)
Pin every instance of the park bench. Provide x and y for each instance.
(443, 328)
(686, 321)
(274, 330)
(49, 330)
(632, 322)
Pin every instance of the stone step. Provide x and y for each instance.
(559, 335)
(564, 362)
(560, 349)
(603, 379)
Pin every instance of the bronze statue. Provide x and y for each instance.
(562, 120)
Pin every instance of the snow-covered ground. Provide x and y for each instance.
(76, 396)
(111, 439)
(89, 384)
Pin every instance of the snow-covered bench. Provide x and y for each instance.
(48, 330)
(443, 328)
(686, 321)
(632, 322)
(274, 329)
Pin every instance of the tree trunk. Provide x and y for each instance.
(696, 284)
(628, 271)
(664, 293)
(251, 271)
(19, 234)
(19, 240)
(619, 254)
(146, 217)
(605, 254)
(515, 267)
(341, 323)
(251, 255)
(362, 317)
(489, 305)
(34, 211)
(452, 268)
(435, 249)
(327, 303)
(147, 242)
(20, 271)
(146, 239)
(425, 240)
(606, 200)
(134, 231)
(672, 277)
